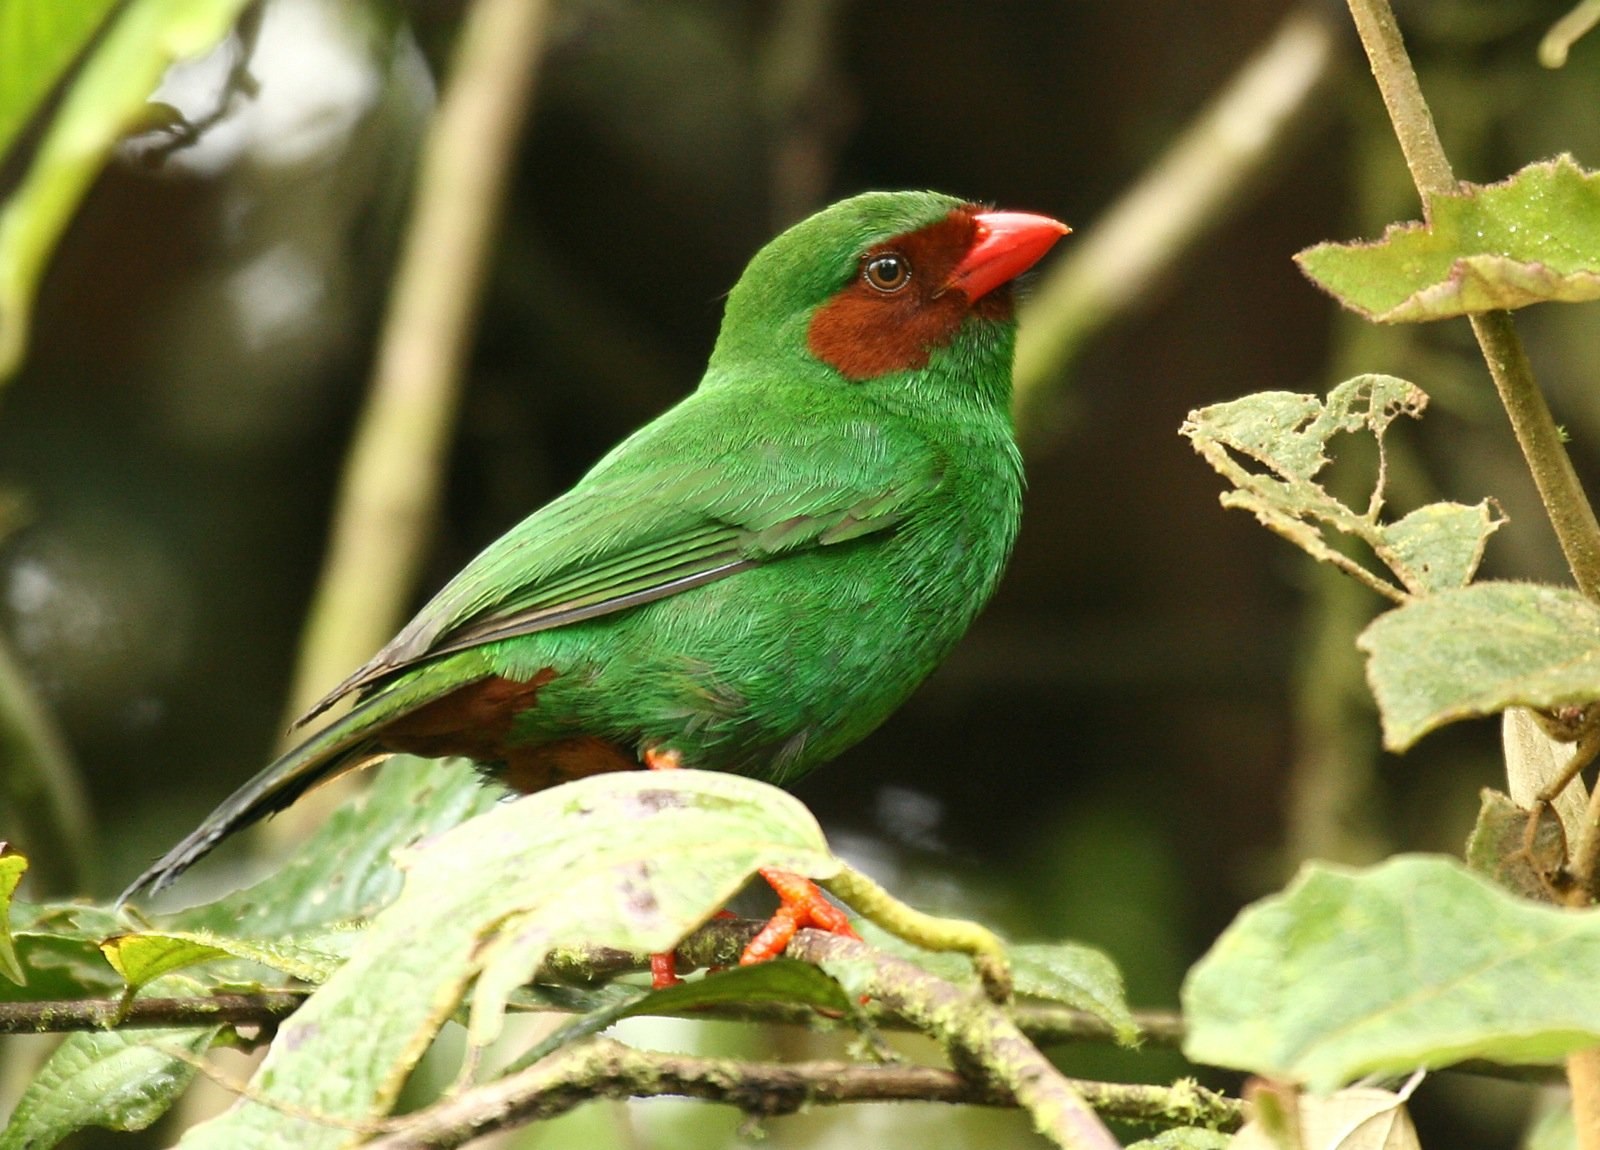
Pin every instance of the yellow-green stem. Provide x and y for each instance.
(877, 905)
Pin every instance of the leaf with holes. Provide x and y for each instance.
(1272, 446)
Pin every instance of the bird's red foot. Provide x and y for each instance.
(664, 970)
(801, 904)
(658, 760)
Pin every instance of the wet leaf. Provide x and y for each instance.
(1417, 962)
(1477, 650)
(632, 860)
(1531, 239)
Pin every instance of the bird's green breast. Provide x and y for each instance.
(784, 665)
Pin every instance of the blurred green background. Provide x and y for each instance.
(1160, 714)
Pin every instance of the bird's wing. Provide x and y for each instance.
(645, 525)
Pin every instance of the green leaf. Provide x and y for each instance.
(1271, 446)
(120, 1080)
(1076, 976)
(39, 39)
(1414, 963)
(1477, 650)
(630, 859)
(117, 1079)
(1440, 545)
(1066, 972)
(107, 98)
(347, 870)
(1532, 239)
(12, 867)
(144, 957)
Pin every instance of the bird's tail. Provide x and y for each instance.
(342, 746)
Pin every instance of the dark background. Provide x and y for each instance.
(1160, 714)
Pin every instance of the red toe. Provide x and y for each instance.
(802, 904)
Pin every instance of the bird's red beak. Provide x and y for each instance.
(1006, 245)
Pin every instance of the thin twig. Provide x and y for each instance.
(261, 1008)
(1203, 177)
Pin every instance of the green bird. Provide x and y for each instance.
(756, 579)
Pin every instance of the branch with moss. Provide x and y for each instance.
(605, 1069)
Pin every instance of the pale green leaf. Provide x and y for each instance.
(1068, 973)
(1531, 239)
(106, 99)
(346, 870)
(39, 39)
(1476, 651)
(1076, 976)
(1417, 962)
(632, 860)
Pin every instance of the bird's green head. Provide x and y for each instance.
(884, 283)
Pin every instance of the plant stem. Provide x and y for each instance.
(988, 953)
(1536, 431)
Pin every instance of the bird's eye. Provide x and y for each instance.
(889, 272)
